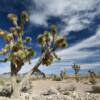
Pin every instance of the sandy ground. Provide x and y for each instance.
(60, 90)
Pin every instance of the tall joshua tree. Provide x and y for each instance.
(18, 53)
(15, 49)
(76, 69)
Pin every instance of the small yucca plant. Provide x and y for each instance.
(63, 73)
(76, 69)
(92, 77)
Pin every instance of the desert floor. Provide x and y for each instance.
(69, 89)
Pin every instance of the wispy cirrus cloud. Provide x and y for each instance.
(76, 14)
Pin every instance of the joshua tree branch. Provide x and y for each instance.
(42, 73)
(5, 60)
(56, 56)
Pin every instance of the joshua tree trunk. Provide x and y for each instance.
(42, 73)
(14, 76)
(14, 83)
(17, 89)
(34, 69)
(77, 77)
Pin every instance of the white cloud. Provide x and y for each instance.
(76, 14)
(39, 19)
(75, 24)
(76, 52)
(98, 32)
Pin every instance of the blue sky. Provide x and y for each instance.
(78, 20)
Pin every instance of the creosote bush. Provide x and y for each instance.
(92, 77)
(57, 78)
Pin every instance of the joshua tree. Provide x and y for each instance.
(49, 42)
(17, 52)
(15, 49)
(92, 76)
(76, 69)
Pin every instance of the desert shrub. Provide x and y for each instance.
(92, 77)
(49, 92)
(66, 89)
(18, 80)
(66, 93)
(92, 81)
(2, 83)
(63, 73)
(57, 78)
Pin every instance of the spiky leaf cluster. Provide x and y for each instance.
(76, 68)
(49, 42)
(15, 47)
(92, 75)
